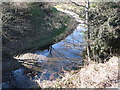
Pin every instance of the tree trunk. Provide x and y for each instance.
(88, 30)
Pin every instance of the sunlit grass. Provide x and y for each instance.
(69, 7)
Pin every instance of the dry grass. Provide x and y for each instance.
(69, 7)
(92, 76)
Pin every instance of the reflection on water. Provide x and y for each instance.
(21, 79)
(70, 47)
(69, 50)
(64, 55)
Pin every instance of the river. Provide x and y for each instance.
(65, 55)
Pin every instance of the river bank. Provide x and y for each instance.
(33, 26)
(24, 30)
(102, 75)
(63, 66)
(40, 61)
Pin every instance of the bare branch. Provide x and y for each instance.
(78, 4)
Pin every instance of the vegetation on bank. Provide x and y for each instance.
(30, 26)
(104, 42)
(105, 29)
(47, 26)
(91, 76)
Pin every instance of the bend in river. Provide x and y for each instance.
(64, 55)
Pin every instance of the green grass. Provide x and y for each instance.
(37, 17)
(53, 10)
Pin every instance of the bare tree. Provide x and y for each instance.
(86, 5)
(88, 29)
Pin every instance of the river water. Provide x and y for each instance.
(65, 54)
